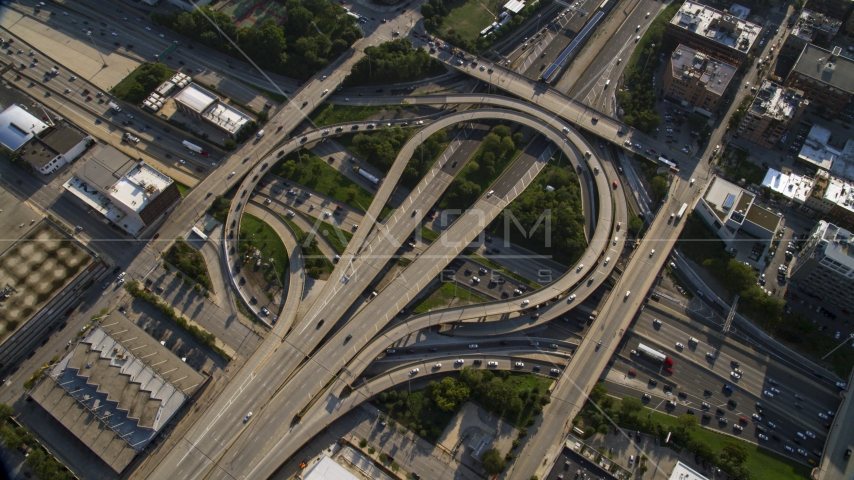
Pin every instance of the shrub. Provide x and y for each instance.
(363, 443)
(371, 449)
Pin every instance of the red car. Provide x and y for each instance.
(619, 224)
(742, 419)
(199, 169)
(669, 370)
(615, 184)
(339, 207)
(653, 150)
(632, 373)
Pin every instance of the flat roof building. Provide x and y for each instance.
(837, 8)
(825, 267)
(55, 147)
(818, 154)
(42, 278)
(728, 209)
(792, 187)
(204, 105)
(116, 389)
(811, 28)
(773, 109)
(720, 34)
(131, 194)
(834, 197)
(684, 472)
(826, 77)
(18, 126)
(696, 80)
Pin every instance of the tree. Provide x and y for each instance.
(448, 394)
(635, 225)
(493, 462)
(497, 394)
(471, 378)
(687, 422)
(263, 116)
(230, 145)
(734, 452)
(659, 187)
(629, 407)
(598, 392)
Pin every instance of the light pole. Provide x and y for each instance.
(539, 16)
(647, 58)
(89, 34)
(851, 336)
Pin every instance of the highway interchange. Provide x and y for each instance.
(301, 367)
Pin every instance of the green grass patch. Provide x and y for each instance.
(313, 172)
(143, 79)
(182, 189)
(257, 235)
(467, 18)
(316, 263)
(335, 240)
(189, 261)
(441, 296)
(404, 262)
(498, 268)
(428, 235)
(334, 114)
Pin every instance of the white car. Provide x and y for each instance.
(823, 416)
(769, 394)
(804, 437)
(247, 417)
(757, 417)
(473, 345)
(525, 302)
(607, 260)
(519, 364)
(579, 268)
(711, 355)
(414, 371)
(571, 298)
(772, 424)
(679, 346)
(810, 434)
(491, 364)
(459, 361)
(802, 452)
(762, 437)
(628, 292)
(734, 375)
(114, 34)
(181, 161)
(231, 174)
(775, 390)
(148, 28)
(706, 406)
(437, 366)
(652, 252)
(162, 36)
(738, 427)
(555, 371)
(790, 449)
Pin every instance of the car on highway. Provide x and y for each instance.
(789, 449)
(823, 416)
(762, 436)
(519, 364)
(768, 394)
(414, 371)
(390, 351)
(524, 302)
(772, 424)
(571, 298)
(247, 417)
(459, 361)
(437, 366)
(554, 371)
(775, 390)
(801, 435)
(757, 417)
(491, 364)
(535, 316)
(473, 345)
(734, 375)
(810, 434)
(802, 452)
(679, 346)
(633, 373)
(738, 427)
(711, 355)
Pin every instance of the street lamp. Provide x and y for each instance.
(89, 34)
(851, 336)
(651, 49)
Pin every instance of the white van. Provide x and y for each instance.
(607, 82)
(259, 134)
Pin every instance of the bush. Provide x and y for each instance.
(363, 443)
(390, 62)
(189, 261)
(230, 145)
(492, 462)
(371, 450)
(383, 457)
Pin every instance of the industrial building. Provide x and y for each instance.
(825, 267)
(826, 77)
(199, 103)
(116, 389)
(696, 80)
(773, 109)
(55, 147)
(37, 295)
(722, 35)
(731, 212)
(129, 193)
(18, 126)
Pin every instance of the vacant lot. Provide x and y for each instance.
(254, 235)
(468, 17)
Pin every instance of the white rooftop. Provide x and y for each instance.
(723, 28)
(18, 126)
(514, 6)
(840, 192)
(775, 101)
(195, 97)
(327, 469)
(100, 202)
(226, 117)
(816, 150)
(843, 166)
(836, 243)
(739, 11)
(140, 186)
(790, 185)
(684, 472)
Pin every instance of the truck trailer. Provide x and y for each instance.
(371, 178)
(195, 148)
(654, 354)
(114, 106)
